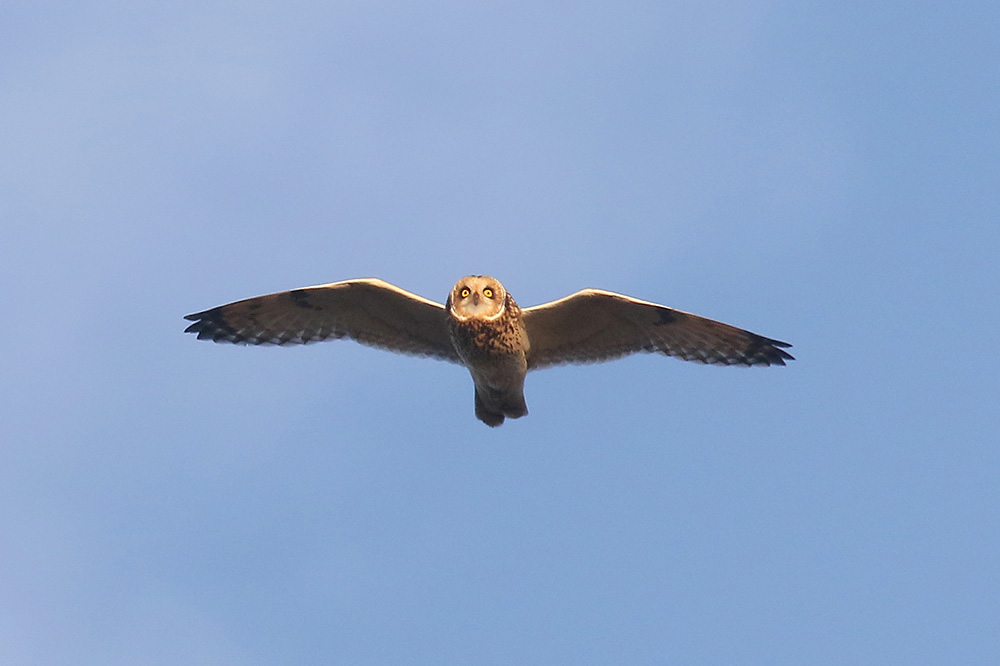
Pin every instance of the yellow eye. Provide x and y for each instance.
(465, 292)
(488, 293)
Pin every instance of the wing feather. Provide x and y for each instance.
(371, 311)
(594, 325)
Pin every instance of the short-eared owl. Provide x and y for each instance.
(481, 327)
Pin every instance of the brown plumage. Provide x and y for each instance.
(482, 328)
(487, 331)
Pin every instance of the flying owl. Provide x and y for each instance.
(481, 327)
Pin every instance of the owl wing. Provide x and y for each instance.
(594, 325)
(371, 312)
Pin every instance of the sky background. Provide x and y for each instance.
(821, 173)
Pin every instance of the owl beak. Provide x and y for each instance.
(475, 298)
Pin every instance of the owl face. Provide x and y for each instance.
(477, 297)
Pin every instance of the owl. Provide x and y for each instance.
(481, 327)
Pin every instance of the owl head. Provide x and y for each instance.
(477, 297)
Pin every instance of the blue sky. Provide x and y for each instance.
(822, 173)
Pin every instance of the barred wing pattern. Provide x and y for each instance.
(371, 311)
(594, 325)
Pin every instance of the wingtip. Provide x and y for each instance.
(780, 355)
(768, 351)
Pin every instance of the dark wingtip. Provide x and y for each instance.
(207, 327)
(780, 355)
(199, 321)
(766, 351)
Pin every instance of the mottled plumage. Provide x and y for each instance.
(482, 328)
(487, 331)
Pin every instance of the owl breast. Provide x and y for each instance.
(486, 344)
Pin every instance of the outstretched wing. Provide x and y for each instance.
(594, 325)
(372, 312)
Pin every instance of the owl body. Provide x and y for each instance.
(481, 327)
(487, 332)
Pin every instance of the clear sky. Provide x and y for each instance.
(821, 173)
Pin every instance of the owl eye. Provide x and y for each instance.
(465, 292)
(487, 292)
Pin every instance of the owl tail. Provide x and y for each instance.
(492, 410)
